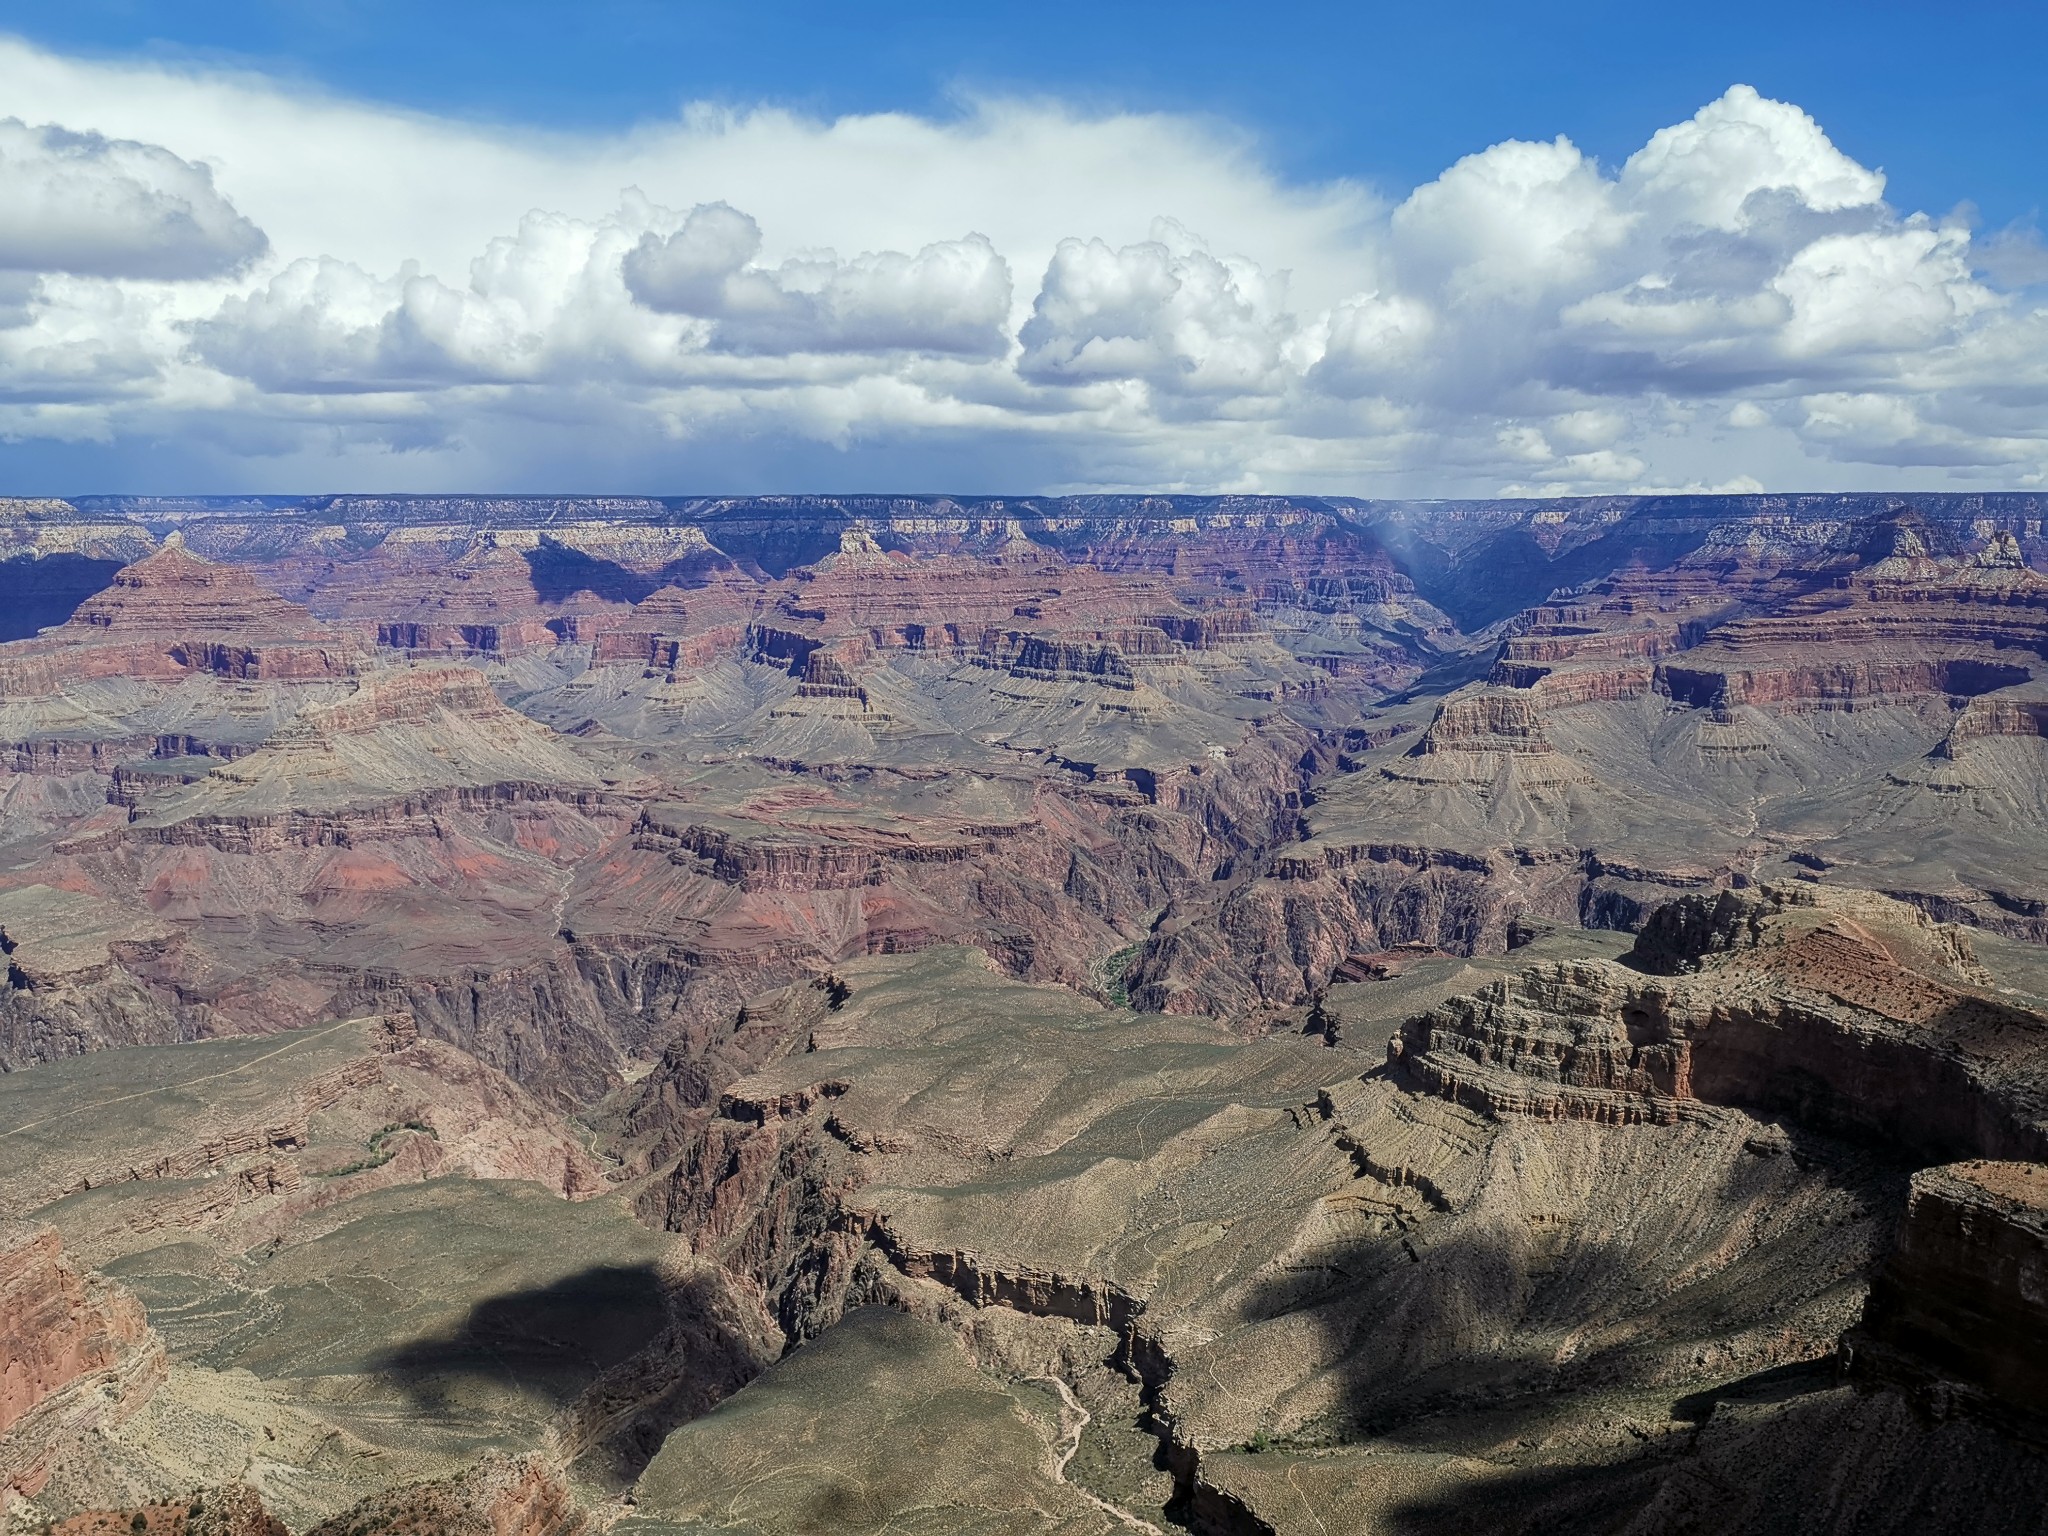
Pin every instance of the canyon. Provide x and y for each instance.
(1050, 1014)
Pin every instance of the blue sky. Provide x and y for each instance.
(1946, 97)
(1279, 307)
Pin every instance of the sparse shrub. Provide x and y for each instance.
(380, 1149)
(1115, 969)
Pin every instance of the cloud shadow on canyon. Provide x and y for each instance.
(549, 1341)
(35, 594)
(1450, 1344)
(615, 1354)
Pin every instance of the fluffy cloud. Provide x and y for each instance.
(543, 305)
(1737, 301)
(1710, 169)
(77, 202)
(644, 296)
(952, 296)
(1182, 321)
(1509, 225)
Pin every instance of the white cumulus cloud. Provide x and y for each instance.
(1179, 320)
(80, 202)
(1708, 169)
(1036, 297)
(951, 296)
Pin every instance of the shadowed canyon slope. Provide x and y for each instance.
(1054, 1014)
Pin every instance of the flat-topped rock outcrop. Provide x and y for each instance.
(1964, 1297)
(1845, 1010)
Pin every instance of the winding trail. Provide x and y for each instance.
(1073, 1420)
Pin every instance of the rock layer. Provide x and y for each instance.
(1964, 1296)
(75, 1353)
(765, 882)
(1800, 1002)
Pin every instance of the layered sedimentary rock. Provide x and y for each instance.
(176, 666)
(1126, 637)
(171, 614)
(379, 1193)
(760, 769)
(1963, 1299)
(52, 557)
(357, 816)
(1850, 1011)
(403, 736)
(1479, 561)
(1483, 562)
(233, 1142)
(76, 1353)
(1847, 705)
(1904, 624)
(259, 1106)
(689, 1035)
(478, 576)
(626, 879)
(1389, 1301)
(1333, 1291)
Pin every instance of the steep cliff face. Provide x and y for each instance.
(1799, 1005)
(1828, 698)
(750, 1182)
(75, 1353)
(1111, 737)
(1905, 623)
(172, 614)
(507, 578)
(772, 870)
(1466, 826)
(1483, 562)
(1964, 1297)
(53, 556)
(1395, 1308)
(1168, 680)
(530, 899)
(1478, 561)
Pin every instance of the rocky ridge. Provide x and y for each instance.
(1727, 1242)
(76, 1353)
(1853, 707)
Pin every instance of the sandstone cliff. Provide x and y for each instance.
(1799, 1000)
(1962, 1304)
(75, 1353)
